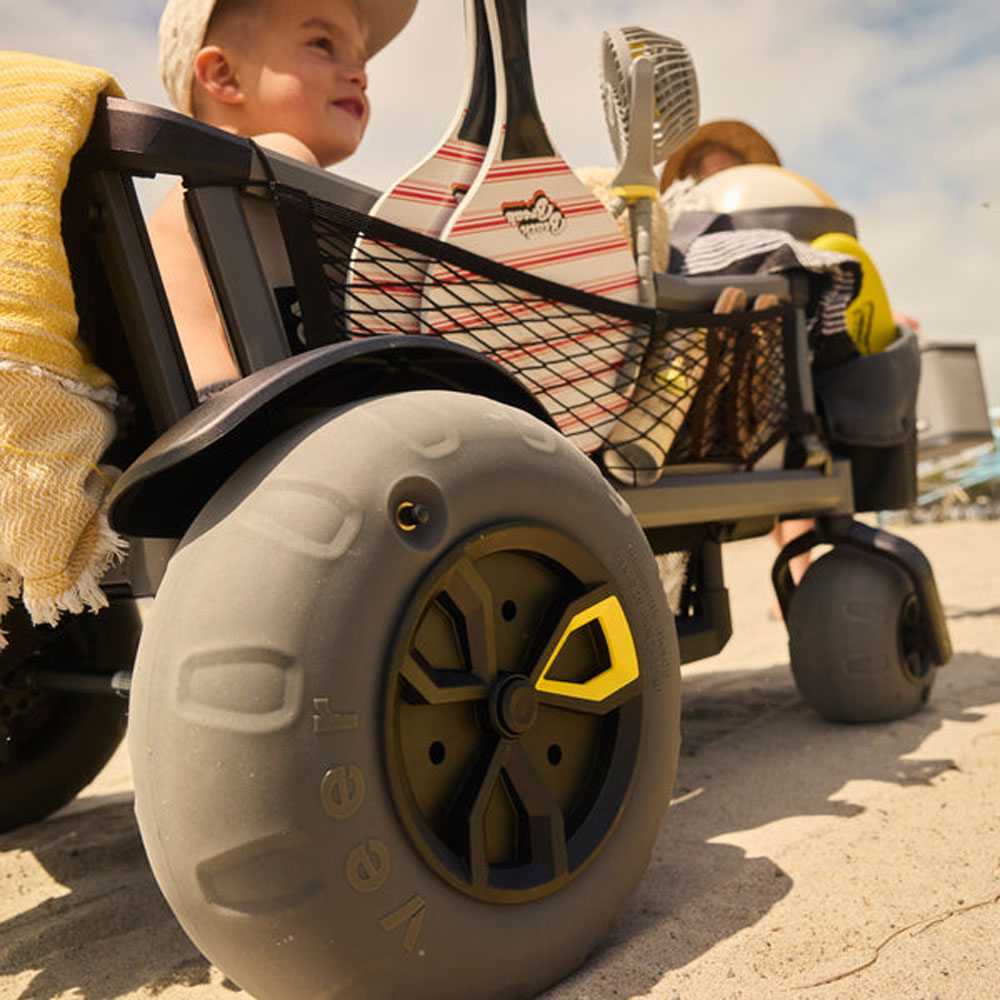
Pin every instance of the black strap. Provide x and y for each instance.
(321, 319)
(353, 222)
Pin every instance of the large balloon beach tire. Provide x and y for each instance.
(405, 717)
(855, 639)
(57, 742)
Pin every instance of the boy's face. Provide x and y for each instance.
(303, 73)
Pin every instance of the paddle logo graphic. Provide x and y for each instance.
(539, 217)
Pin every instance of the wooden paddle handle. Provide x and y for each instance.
(675, 364)
(643, 435)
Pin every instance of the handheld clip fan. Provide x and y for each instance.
(650, 94)
(675, 87)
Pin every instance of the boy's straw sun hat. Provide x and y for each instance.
(729, 132)
(184, 23)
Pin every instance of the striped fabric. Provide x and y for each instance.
(750, 251)
(56, 409)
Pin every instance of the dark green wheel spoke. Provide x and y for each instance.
(478, 856)
(454, 656)
(440, 687)
(546, 833)
(540, 819)
(469, 600)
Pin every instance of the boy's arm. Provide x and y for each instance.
(199, 327)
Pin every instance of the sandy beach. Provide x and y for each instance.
(799, 858)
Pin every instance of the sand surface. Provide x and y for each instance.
(799, 859)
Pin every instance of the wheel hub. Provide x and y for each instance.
(513, 714)
(513, 706)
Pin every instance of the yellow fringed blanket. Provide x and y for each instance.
(56, 409)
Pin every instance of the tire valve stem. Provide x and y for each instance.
(410, 515)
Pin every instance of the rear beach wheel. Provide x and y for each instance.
(53, 743)
(58, 743)
(854, 629)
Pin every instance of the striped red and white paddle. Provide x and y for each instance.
(528, 210)
(384, 283)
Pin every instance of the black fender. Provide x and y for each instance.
(843, 530)
(162, 491)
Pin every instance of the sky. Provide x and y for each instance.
(891, 106)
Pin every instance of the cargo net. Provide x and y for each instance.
(712, 388)
(640, 389)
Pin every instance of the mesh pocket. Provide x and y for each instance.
(643, 388)
(711, 389)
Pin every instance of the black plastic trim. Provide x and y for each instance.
(804, 222)
(142, 138)
(705, 626)
(161, 493)
(899, 551)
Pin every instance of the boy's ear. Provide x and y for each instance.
(215, 71)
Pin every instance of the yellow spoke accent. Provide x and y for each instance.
(624, 666)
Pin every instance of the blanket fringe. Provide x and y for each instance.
(84, 595)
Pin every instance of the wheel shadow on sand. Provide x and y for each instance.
(105, 930)
(753, 753)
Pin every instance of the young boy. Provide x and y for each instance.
(288, 73)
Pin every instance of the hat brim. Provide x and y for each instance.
(736, 135)
(385, 20)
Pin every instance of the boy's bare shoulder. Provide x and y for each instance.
(167, 221)
(282, 142)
